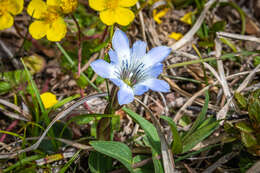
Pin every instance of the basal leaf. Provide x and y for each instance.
(148, 127)
(199, 135)
(99, 163)
(116, 150)
(177, 143)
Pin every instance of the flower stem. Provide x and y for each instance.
(111, 32)
(79, 44)
(104, 124)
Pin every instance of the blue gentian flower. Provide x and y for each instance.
(132, 69)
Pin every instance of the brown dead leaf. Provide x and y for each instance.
(251, 27)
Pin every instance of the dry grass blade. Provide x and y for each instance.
(187, 37)
(58, 117)
(141, 16)
(24, 113)
(221, 72)
(238, 36)
(168, 162)
(198, 101)
(248, 79)
(223, 112)
(220, 162)
(13, 115)
(190, 101)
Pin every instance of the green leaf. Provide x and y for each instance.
(34, 87)
(248, 139)
(243, 126)
(241, 100)
(82, 119)
(64, 101)
(207, 122)
(200, 118)
(152, 136)
(158, 168)
(229, 43)
(99, 163)
(177, 143)
(116, 150)
(254, 110)
(256, 60)
(184, 121)
(22, 162)
(81, 81)
(218, 26)
(148, 127)
(115, 123)
(67, 165)
(199, 135)
(4, 87)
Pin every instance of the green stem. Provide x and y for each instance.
(194, 62)
(22, 162)
(183, 79)
(104, 124)
(241, 13)
(72, 65)
(111, 32)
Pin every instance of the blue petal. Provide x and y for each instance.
(117, 82)
(156, 55)
(120, 44)
(125, 94)
(140, 89)
(103, 68)
(113, 56)
(138, 49)
(155, 70)
(157, 85)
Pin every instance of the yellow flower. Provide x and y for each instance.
(114, 11)
(187, 18)
(176, 36)
(157, 15)
(49, 17)
(9, 8)
(66, 6)
(48, 99)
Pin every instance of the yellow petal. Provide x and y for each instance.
(38, 29)
(98, 5)
(68, 6)
(187, 18)
(6, 21)
(57, 30)
(124, 16)
(14, 6)
(108, 17)
(37, 9)
(127, 3)
(53, 2)
(48, 99)
(157, 16)
(176, 36)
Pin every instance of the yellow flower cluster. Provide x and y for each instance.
(49, 20)
(114, 11)
(49, 15)
(8, 9)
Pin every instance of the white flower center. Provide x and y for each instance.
(131, 72)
